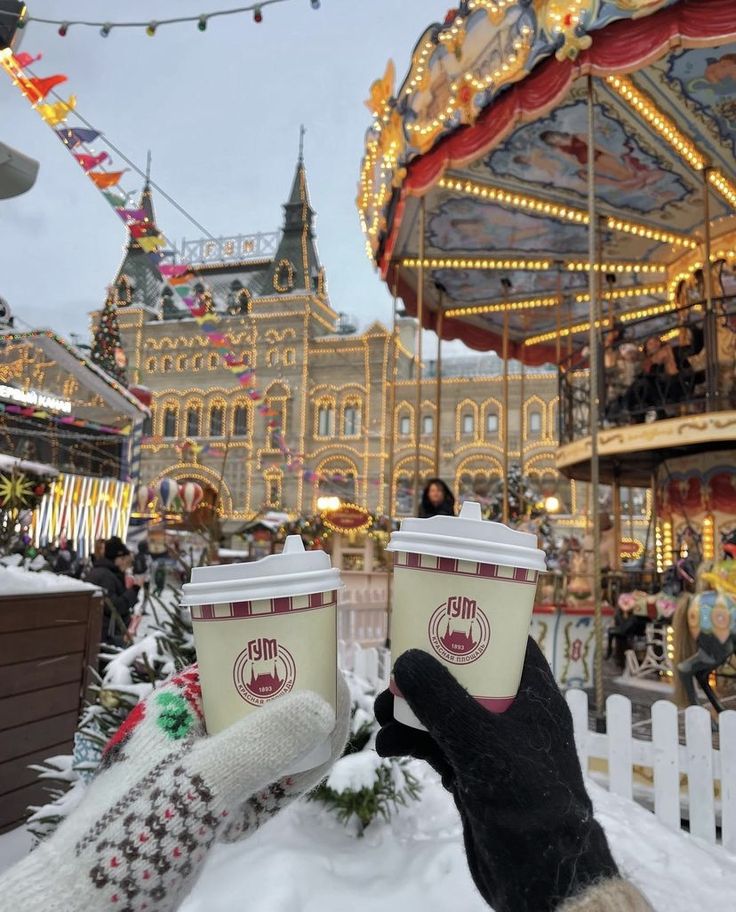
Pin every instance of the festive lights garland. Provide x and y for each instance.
(151, 26)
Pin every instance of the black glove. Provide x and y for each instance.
(530, 836)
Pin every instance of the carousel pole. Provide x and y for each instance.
(420, 326)
(522, 401)
(438, 391)
(505, 355)
(392, 447)
(711, 338)
(593, 282)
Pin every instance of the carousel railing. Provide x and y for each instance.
(659, 366)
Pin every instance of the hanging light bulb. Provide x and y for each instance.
(63, 29)
(315, 4)
(257, 14)
(202, 24)
(151, 29)
(105, 30)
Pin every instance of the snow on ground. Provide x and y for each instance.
(19, 581)
(304, 861)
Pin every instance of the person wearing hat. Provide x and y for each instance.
(108, 572)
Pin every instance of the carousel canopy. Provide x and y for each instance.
(489, 133)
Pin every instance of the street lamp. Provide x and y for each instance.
(328, 504)
(552, 504)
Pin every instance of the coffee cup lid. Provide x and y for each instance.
(469, 537)
(293, 572)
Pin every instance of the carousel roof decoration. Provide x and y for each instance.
(489, 129)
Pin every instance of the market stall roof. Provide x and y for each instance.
(41, 372)
(489, 127)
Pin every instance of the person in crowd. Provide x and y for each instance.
(437, 499)
(142, 562)
(531, 840)
(108, 572)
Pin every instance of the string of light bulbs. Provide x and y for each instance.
(151, 26)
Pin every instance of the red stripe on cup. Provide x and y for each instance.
(208, 611)
(520, 574)
(315, 599)
(447, 564)
(413, 560)
(487, 570)
(281, 605)
(241, 609)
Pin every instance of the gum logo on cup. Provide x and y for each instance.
(459, 631)
(264, 670)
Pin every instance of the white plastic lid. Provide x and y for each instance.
(293, 572)
(469, 537)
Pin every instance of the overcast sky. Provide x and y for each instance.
(220, 111)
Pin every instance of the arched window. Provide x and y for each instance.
(240, 421)
(325, 419)
(468, 424)
(405, 425)
(535, 422)
(217, 420)
(197, 362)
(166, 365)
(289, 356)
(181, 363)
(147, 428)
(427, 425)
(214, 361)
(272, 481)
(193, 421)
(151, 365)
(170, 418)
(492, 424)
(351, 420)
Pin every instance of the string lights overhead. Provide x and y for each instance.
(151, 27)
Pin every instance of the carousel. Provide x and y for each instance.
(554, 180)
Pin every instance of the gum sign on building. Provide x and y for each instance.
(328, 383)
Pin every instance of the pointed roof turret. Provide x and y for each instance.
(138, 281)
(296, 266)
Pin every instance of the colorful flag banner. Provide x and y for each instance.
(56, 113)
(74, 136)
(105, 179)
(88, 162)
(37, 89)
(25, 60)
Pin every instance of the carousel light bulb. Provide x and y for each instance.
(151, 29)
(63, 29)
(202, 23)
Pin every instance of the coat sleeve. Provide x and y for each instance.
(613, 895)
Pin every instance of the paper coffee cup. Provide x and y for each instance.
(262, 630)
(463, 591)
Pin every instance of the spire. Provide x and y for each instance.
(296, 266)
(146, 203)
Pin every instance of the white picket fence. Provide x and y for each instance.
(707, 771)
(694, 782)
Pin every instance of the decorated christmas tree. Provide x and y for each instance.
(107, 349)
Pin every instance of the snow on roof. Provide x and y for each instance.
(19, 581)
(25, 465)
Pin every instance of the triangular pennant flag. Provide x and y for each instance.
(174, 271)
(132, 215)
(73, 136)
(88, 162)
(149, 244)
(116, 197)
(57, 113)
(138, 229)
(37, 89)
(105, 179)
(25, 59)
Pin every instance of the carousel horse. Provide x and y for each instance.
(705, 632)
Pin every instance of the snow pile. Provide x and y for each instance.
(354, 772)
(303, 860)
(20, 581)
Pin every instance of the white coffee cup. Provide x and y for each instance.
(464, 592)
(264, 629)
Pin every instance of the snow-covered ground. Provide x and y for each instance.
(303, 861)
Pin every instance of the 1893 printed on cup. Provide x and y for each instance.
(262, 630)
(464, 592)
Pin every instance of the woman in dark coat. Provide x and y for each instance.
(437, 500)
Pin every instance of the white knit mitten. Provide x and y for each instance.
(165, 793)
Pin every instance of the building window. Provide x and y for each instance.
(427, 425)
(535, 422)
(147, 428)
(273, 490)
(289, 356)
(166, 365)
(325, 420)
(405, 425)
(468, 424)
(217, 415)
(151, 365)
(213, 362)
(240, 421)
(492, 423)
(197, 362)
(192, 422)
(351, 421)
(170, 417)
(181, 363)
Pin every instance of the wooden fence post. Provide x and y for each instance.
(699, 751)
(727, 732)
(666, 764)
(620, 760)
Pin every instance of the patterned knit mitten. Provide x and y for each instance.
(164, 794)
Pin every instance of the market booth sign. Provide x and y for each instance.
(348, 518)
